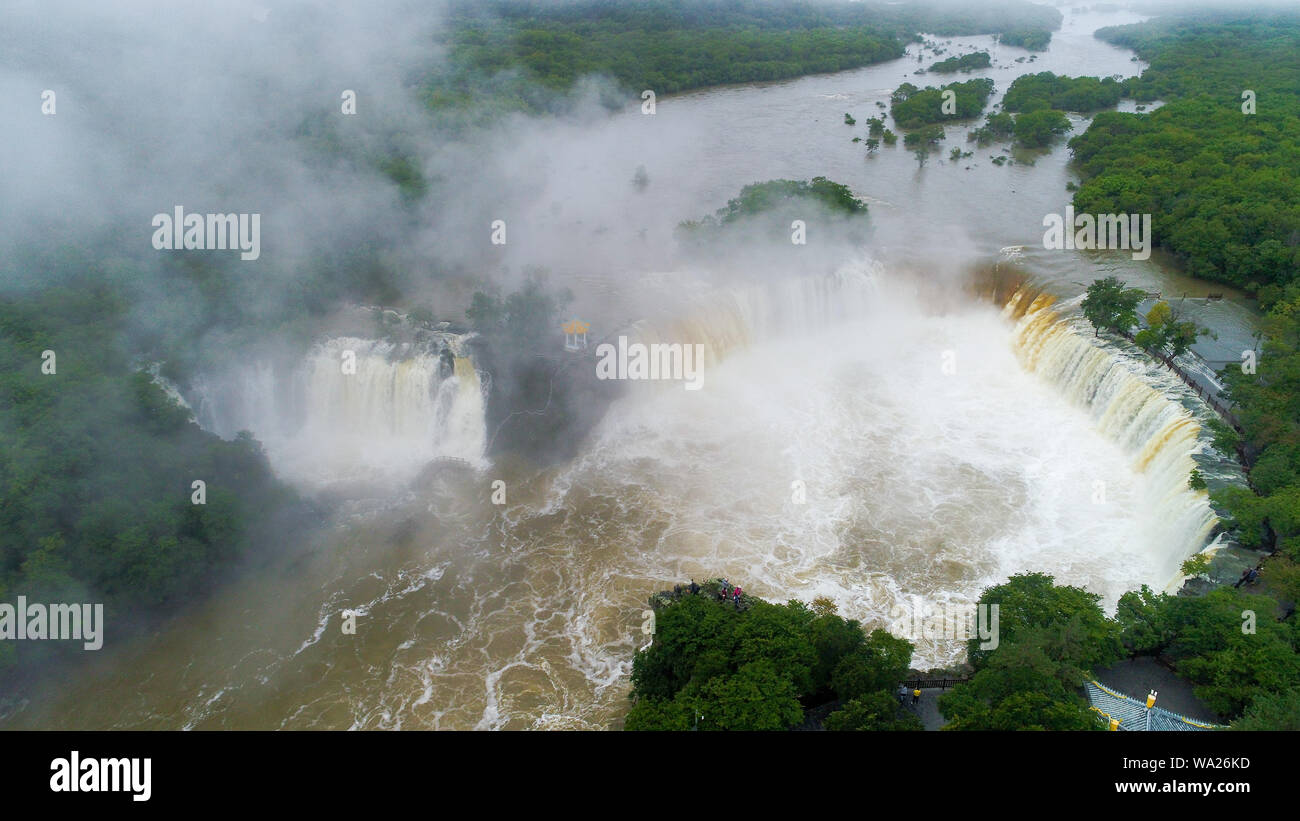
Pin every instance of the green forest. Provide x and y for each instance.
(1222, 184)
(1052, 638)
(1265, 405)
(556, 54)
(97, 472)
(715, 665)
(525, 54)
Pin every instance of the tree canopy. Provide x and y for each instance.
(1035, 92)
(1030, 39)
(520, 53)
(713, 666)
(1220, 168)
(964, 63)
(914, 107)
(97, 472)
(1050, 636)
(1111, 304)
(1037, 129)
(1229, 658)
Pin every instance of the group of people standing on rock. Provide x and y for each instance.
(725, 591)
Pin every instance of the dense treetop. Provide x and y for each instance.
(1033, 92)
(966, 62)
(716, 666)
(520, 54)
(913, 107)
(1223, 185)
(97, 470)
(1027, 38)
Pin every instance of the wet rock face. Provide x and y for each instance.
(542, 405)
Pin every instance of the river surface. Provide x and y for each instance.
(853, 439)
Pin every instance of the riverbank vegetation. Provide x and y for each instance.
(518, 54)
(98, 470)
(1229, 645)
(997, 126)
(1218, 168)
(1264, 403)
(716, 665)
(713, 664)
(1166, 332)
(1049, 637)
(1111, 305)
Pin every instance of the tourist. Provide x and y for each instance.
(694, 588)
(902, 695)
(916, 695)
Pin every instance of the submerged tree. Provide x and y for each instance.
(1165, 331)
(1037, 129)
(1110, 304)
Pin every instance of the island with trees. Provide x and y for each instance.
(913, 107)
(964, 63)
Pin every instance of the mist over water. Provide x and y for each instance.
(920, 481)
(384, 420)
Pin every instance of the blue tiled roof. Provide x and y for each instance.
(1132, 713)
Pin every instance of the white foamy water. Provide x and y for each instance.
(383, 419)
(917, 482)
(941, 444)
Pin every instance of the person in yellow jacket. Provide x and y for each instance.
(916, 695)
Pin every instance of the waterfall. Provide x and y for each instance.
(1136, 404)
(727, 320)
(353, 409)
(1154, 423)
